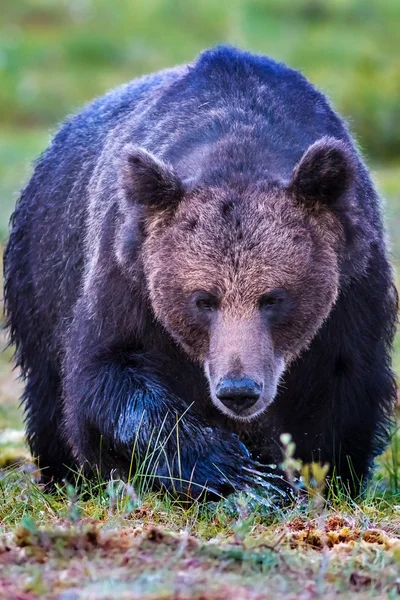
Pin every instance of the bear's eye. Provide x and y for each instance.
(206, 301)
(273, 299)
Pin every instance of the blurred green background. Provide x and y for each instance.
(57, 54)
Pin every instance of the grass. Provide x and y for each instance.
(110, 540)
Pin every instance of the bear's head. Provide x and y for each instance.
(242, 275)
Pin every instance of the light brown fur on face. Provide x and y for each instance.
(243, 347)
(239, 248)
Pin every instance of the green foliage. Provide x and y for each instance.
(18, 149)
(55, 55)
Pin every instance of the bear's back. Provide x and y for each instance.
(226, 94)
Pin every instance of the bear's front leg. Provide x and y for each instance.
(120, 417)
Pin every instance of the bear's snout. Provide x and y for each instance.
(242, 367)
(238, 394)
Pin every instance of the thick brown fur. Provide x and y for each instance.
(205, 224)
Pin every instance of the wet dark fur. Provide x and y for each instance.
(100, 370)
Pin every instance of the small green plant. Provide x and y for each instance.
(305, 479)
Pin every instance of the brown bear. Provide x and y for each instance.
(197, 266)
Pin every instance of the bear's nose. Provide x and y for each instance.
(238, 394)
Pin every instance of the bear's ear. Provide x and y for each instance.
(325, 172)
(148, 181)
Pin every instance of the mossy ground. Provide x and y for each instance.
(109, 542)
